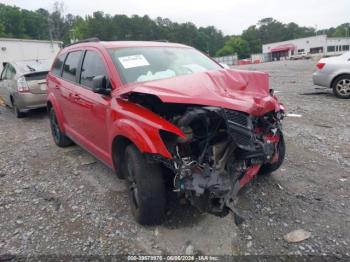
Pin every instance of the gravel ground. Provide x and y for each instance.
(65, 202)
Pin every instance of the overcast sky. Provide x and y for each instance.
(231, 16)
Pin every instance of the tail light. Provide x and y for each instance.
(22, 85)
(320, 65)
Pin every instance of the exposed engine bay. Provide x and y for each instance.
(223, 149)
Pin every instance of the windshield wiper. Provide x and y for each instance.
(31, 68)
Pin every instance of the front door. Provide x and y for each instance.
(91, 109)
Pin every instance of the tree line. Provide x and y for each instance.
(45, 25)
(269, 30)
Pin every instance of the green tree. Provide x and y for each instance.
(2, 31)
(12, 20)
(342, 31)
(252, 36)
(235, 45)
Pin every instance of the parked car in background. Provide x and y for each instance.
(300, 55)
(166, 117)
(226, 66)
(334, 72)
(23, 85)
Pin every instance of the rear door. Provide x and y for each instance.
(66, 87)
(11, 79)
(91, 109)
(3, 82)
(8, 83)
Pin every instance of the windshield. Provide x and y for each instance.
(154, 63)
(33, 65)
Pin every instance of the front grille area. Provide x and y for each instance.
(242, 140)
(240, 128)
(237, 117)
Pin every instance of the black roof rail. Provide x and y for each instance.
(162, 40)
(92, 39)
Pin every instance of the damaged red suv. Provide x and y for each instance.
(166, 117)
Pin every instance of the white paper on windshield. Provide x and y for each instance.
(133, 61)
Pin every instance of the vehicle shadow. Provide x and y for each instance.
(319, 92)
(38, 113)
(180, 213)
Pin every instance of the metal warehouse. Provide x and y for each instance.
(317, 45)
(25, 49)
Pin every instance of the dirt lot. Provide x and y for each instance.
(64, 201)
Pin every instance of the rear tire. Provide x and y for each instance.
(59, 137)
(341, 87)
(17, 111)
(269, 168)
(146, 188)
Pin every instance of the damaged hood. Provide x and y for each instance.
(244, 91)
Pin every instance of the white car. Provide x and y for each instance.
(299, 56)
(334, 72)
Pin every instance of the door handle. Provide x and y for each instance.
(76, 97)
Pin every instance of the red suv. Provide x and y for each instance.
(167, 118)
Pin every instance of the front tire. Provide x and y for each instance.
(341, 87)
(269, 168)
(145, 186)
(59, 137)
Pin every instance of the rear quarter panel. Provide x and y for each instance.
(51, 98)
(340, 68)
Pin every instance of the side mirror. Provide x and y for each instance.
(101, 85)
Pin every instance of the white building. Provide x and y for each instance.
(320, 45)
(25, 49)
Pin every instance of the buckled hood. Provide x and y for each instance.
(244, 91)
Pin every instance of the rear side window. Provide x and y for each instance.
(3, 73)
(57, 65)
(70, 67)
(92, 66)
(10, 72)
(36, 76)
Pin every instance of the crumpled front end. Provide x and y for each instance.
(222, 150)
(231, 134)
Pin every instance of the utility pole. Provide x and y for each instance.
(49, 22)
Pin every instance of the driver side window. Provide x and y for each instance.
(92, 66)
